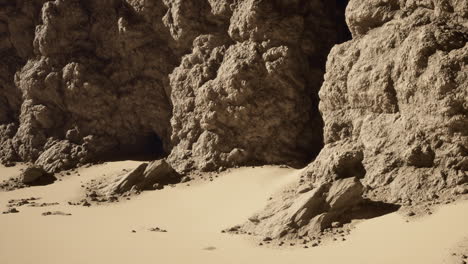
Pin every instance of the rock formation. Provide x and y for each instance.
(221, 83)
(147, 177)
(395, 107)
(214, 83)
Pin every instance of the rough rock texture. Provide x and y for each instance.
(93, 84)
(395, 108)
(248, 95)
(221, 83)
(213, 82)
(311, 211)
(32, 174)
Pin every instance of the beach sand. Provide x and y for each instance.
(194, 217)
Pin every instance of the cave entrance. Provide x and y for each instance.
(146, 147)
(343, 33)
(337, 10)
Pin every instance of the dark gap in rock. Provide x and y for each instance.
(368, 209)
(318, 61)
(146, 147)
(350, 165)
(343, 34)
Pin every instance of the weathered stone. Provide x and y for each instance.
(394, 108)
(310, 212)
(129, 180)
(147, 176)
(158, 171)
(214, 83)
(344, 194)
(32, 174)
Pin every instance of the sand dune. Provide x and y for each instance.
(194, 216)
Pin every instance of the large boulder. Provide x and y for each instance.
(310, 212)
(32, 175)
(145, 176)
(35, 175)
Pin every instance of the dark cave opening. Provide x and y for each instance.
(343, 33)
(146, 147)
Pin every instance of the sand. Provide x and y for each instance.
(194, 216)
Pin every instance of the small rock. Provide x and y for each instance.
(11, 211)
(186, 179)
(32, 174)
(210, 248)
(336, 224)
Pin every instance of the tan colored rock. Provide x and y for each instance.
(394, 104)
(129, 180)
(215, 83)
(247, 97)
(147, 176)
(310, 212)
(158, 171)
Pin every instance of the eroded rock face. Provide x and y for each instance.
(217, 83)
(248, 95)
(94, 82)
(395, 108)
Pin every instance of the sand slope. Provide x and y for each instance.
(194, 216)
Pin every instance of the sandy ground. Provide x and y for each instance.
(194, 216)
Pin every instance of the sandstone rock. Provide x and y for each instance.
(394, 108)
(221, 83)
(245, 97)
(344, 194)
(311, 212)
(146, 176)
(215, 83)
(158, 171)
(129, 180)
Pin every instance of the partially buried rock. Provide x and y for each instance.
(55, 213)
(11, 211)
(32, 175)
(157, 229)
(148, 176)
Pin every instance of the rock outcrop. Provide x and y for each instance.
(215, 83)
(395, 108)
(210, 84)
(248, 95)
(311, 211)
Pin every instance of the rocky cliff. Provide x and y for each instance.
(220, 83)
(212, 83)
(395, 107)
